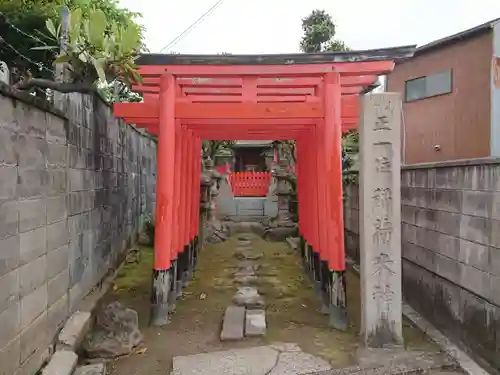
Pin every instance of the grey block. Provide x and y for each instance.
(63, 362)
(58, 312)
(56, 209)
(56, 130)
(477, 203)
(56, 182)
(9, 218)
(10, 323)
(57, 155)
(32, 152)
(32, 121)
(474, 280)
(57, 261)
(255, 323)
(74, 331)
(32, 275)
(8, 154)
(58, 286)
(9, 289)
(32, 214)
(57, 235)
(9, 254)
(475, 229)
(32, 244)
(8, 182)
(33, 305)
(10, 356)
(474, 254)
(233, 323)
(36, 335)
(32, 183)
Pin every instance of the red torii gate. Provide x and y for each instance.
(311, 98)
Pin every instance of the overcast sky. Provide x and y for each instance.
(274, 26)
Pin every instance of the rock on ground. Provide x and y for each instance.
(116, 333)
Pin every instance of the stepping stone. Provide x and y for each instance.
(244, 272)
(233, 323)
(246, 236)
(249, 297)
(250, 361)
(255, 323)
(248, 264)
(97, 369)
(246, 280)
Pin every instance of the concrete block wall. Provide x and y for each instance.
(74, 187)
(450, 248)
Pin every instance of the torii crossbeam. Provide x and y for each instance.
(311, 98)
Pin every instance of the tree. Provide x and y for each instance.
(211, 148)
(103, 42)
(319, 34)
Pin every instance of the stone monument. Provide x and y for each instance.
(380, 220)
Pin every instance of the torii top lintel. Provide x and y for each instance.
(259, 87)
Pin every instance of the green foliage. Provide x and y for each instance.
(103, 40)
(99, 48)
(319, 34)
(211, 148)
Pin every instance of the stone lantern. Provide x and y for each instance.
(283, 191)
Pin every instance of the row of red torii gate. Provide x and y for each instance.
(310, 98)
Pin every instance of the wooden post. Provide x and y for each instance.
(162, 275)
(380, 220)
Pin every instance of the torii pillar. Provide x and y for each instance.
(380, 220)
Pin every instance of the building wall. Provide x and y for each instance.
(74, 187)
(459, 122)
(450, 248)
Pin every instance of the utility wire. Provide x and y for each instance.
(193, 25)
(39, 64)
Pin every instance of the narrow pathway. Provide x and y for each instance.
(292, 310)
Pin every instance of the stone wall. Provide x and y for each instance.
(75, 185)
(450, 248)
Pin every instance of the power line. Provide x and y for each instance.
(39, 64)
(193, 25)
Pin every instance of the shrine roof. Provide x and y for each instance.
(393, 53)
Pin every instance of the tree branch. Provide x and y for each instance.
(28, 84)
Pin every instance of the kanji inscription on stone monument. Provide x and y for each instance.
(380, 219)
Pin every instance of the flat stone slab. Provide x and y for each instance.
(246, 236)
(63, 362)
(255, 323)
(233, 323)
(249, 297)
(96, 369)
(245, 272)
(73, 331)
(248, 255)
(261, 360)
(248, 264)
(246, 280)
